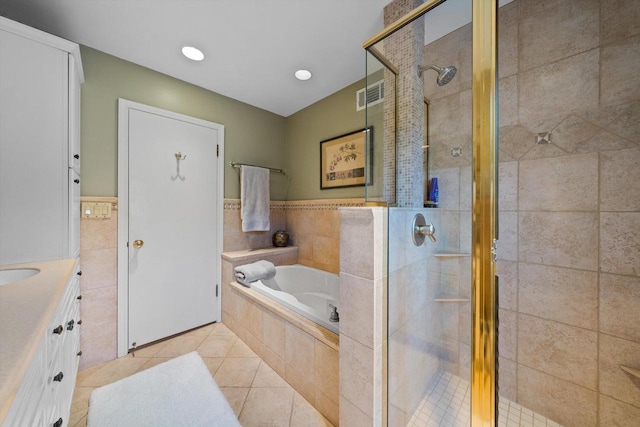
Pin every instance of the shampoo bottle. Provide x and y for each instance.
(434, 191)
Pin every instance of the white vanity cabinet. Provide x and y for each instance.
(44, 396)
(40, 78)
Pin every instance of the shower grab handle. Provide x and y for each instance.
(420, 229)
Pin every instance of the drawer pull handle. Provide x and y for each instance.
(79, 273)
(58, 423)
(79, 297)
(70, 324)
(58, 377)
(58, 330)
(77, 181)
(79, 322)
(76, 156)
(79, 353)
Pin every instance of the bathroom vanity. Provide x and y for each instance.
(40, 340)
(40, 78)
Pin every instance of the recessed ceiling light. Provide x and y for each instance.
(303, 74)
(193, 53)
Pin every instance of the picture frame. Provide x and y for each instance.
(343, 160)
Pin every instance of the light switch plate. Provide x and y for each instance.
(96, 210)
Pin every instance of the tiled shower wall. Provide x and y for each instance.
(569, 248)
(313, 225)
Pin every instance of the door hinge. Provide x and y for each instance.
(217, 150)
(216, 289)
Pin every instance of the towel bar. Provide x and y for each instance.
(237, 166)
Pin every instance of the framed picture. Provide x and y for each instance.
(343, 160)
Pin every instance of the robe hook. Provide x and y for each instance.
(180, 156)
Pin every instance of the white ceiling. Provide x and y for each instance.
(252, 47)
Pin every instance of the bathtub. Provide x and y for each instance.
(305, 290)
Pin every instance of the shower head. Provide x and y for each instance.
(445, 74)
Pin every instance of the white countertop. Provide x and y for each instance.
(26, 307)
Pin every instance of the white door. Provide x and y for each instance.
(172, 232)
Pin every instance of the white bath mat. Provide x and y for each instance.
(180, 392)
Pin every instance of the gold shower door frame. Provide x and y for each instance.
(484, 213)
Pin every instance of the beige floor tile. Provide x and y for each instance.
(85, 373)
(216, 345)
(213, 363)
(220, 329)
(237, 372)
(113, 371)
(154, 361)
(267, 377)
(305, 415)
(240, 349)
(267, 407)
(202, 331)
(150, 351)
(236, 397)
(179, 346)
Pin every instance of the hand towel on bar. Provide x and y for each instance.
(259, 270)
(254, 198)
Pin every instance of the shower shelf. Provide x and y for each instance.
(451, 255)
(444, 297)
(634, 372)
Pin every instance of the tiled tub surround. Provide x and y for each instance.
(569, 248)
(302, 352)
(313, 226)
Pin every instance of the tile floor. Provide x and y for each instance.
(447, 404)
(257, 394)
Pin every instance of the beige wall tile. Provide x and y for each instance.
(508, 100)
(620, 180)
(559, 88)
(253, 318)
(99, 268)
(620, 19)
(357, 309)
(351, 416)
(561, 294)
(616, 413)
(559, 400)
(99, 233)
(327, 408)
(560, 350)
(327, 374)
(568, 183)
(573, 132)
(627, 124)
(508, 185)
(620, 81)
(565, 239)
(448, 187)
(299, 351)
(508, 40)
(357, 251)
(620, 243)
(356, 375)
(570, 28)
(614, 381)
(442, 51)
(508, 243)
(620, 306)
(508, 273)
(326, 250)
(273, 333)
(515, 141)
(507, 378)
(300, 383)
(605, 141)
(327, 223)
(232, 222)
(98, 334)
(508, 330)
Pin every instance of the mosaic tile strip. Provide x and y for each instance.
(303, 205)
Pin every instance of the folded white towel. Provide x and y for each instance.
(255, 199)
(259, 270)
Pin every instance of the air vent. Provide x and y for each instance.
(370, 95)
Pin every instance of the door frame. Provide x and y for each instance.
(124, 106)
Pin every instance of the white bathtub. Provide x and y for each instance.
(305, 290)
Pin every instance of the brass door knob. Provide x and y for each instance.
(138, 244)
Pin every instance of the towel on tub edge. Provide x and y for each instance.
(259, 270)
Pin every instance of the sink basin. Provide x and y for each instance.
(16, 274)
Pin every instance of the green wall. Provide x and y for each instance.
(252, 135)
(332, 116)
